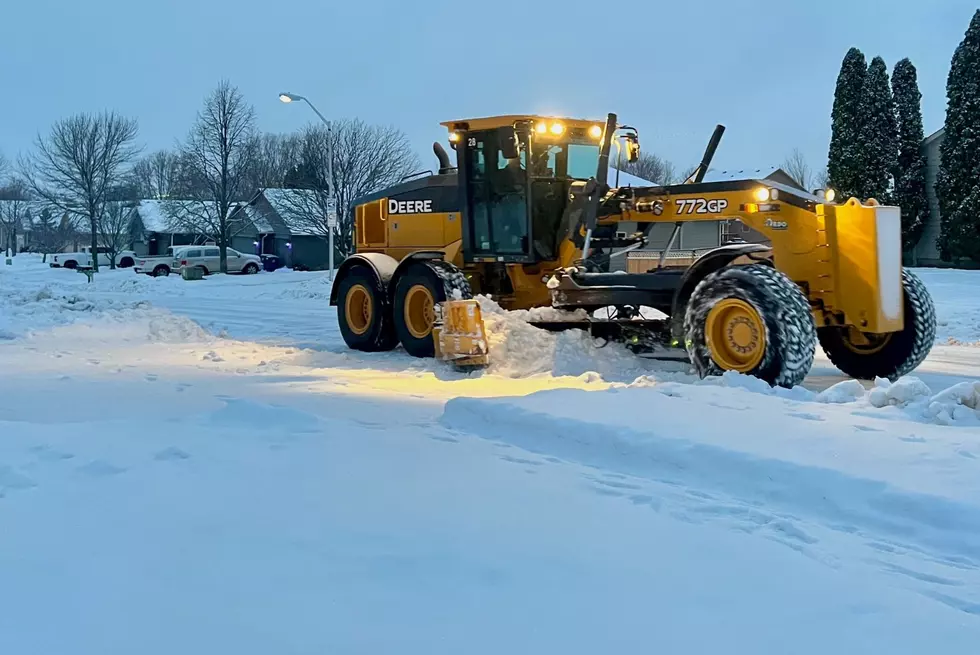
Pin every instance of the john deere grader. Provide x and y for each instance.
(529, 217)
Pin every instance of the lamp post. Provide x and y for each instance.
(331, 196)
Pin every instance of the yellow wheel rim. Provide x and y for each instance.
(865, 343)
(359, 308)
(419, 312)
(736, 335)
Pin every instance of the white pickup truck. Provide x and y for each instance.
(83, 258)
(158, 265)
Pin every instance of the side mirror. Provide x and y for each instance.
(632, 151)
(509, 145)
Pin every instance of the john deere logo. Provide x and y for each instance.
(409, 206)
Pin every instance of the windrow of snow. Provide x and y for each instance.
(518, 349)
(27, 311)
(955, 405)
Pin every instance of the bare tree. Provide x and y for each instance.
(797, 167)
(157, 175)
(275, 156)
(15, 213)
(79, 162)
(4, 168)
(822, 179)
(114, 228)
(219, 153)
(365, 158)
(652, 168)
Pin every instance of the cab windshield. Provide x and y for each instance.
(575, 161)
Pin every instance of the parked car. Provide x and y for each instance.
(159, 265)
(209, 259)
(83, 258)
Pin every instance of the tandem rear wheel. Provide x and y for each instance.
(374, 318)
(418, 291)
(363, 312)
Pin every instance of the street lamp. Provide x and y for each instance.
(331, 198)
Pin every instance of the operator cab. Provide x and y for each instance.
(515, 176)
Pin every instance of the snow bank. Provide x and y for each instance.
(518, 349)
(25, 312)
(956, 405)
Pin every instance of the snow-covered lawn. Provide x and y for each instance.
(202, 467)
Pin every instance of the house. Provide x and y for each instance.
(697, 237)
(288, 223)
(155, 225)
(926, 252)
(28, 225)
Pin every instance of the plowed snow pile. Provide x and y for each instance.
(29, 312)
(519, 349)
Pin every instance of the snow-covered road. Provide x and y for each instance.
(202, 467)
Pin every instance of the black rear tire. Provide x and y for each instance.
(895, 355)
(372, 333)
(71, 264)
(442, 281)
(789, 333)
(126, 262)
(161, 271)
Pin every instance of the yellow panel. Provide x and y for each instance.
(418, 231)
(866, 254)
(369, 228)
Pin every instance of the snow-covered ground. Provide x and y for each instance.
(203, 467)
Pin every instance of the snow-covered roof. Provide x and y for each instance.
(156, 214)
(626, 179)
(287, 203)
(740, 174)
(153, 216)
(255, 217)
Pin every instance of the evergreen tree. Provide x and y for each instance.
(959, 173)
(910, 175)
(879, 135)
(846, 161)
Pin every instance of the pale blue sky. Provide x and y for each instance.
(765, 68)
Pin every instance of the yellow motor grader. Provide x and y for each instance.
(528, 217)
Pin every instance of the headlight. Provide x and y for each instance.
(595, 132)
(829, 195)
(762, 194)
(557, 128)
(541, 128)
(455, 137)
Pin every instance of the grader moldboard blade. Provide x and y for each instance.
(459, 335)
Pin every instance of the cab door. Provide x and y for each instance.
(497, 201)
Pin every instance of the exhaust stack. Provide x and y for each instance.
(445, 166)
(709, 153)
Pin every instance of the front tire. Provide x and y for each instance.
(363, 312)
(251, 269)
(751, 319)
(889, 355)
(418, 292)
